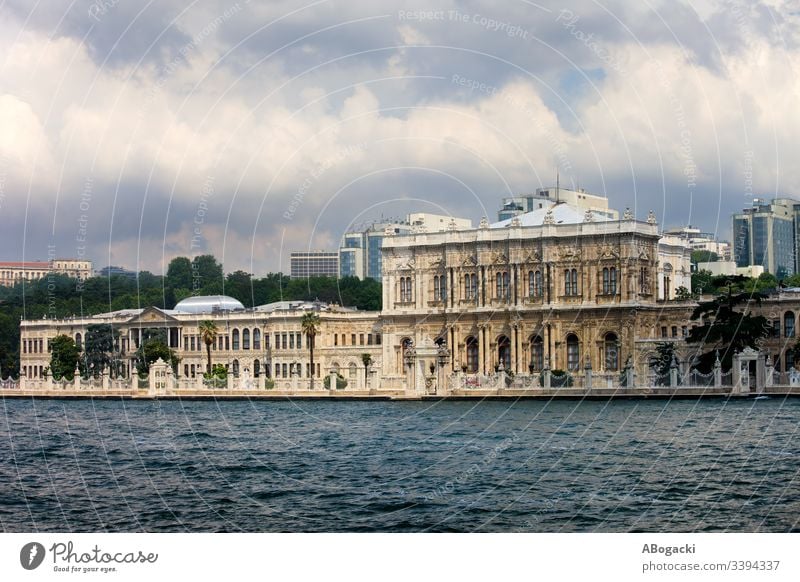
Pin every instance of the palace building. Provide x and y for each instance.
(556, 287)
(264, 342)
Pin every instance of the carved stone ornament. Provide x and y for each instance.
(628, 215)
(588, 215)
(651, 217)
(470, 261)
(548, 217)
(484, 222)
(500, 259)
(609, 252)
(567, 253)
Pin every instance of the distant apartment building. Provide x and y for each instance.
(544, 197)
(701, 241)
(767, 234)
(314, 264)
(360, 252)
(12, 273)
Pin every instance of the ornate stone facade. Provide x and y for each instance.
(522, 298)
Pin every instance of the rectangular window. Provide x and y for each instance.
(361, 339)
(336, 339)
(663, 331)
(284, 341)
(369, 339)
(299, 340)
(291, 341)
(227, 342)
(192, 343)
(674, 331)
(352, 339)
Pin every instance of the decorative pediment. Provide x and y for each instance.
(568, 253)
(407, 266)
(499, 259)
(642, 251)
(437, 264)
(609, 252)
(470, 261)
(533, 257)
(153, 315)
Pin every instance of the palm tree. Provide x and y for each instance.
(208, 333)
(367, 360)
(310, 327)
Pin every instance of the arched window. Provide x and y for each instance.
(256, 339)
(570, 282)
(256, 368)
(573, 352)
(405, 345)
(501, 286)
(193, 370)
(472, 355)
(405, 290)
(235, 339)
(611, 352)
(535, 284)
(788, 324)
(439, 288)
(537, 352)
(504, 352)
(470, 286)
(352, 371)
(78, 340)
(246, 339)
(236, 368)
(667, 280)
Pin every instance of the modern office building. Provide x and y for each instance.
(314, 264)
(544, 197)
(765, 235)
(12, 273)
(360, 252)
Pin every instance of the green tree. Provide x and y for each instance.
(207, 274)
(726, 328)
(208, 333)
(661, 362)
(64, 357)
(151, 350)
(366, 359)
(701, 256)
(98, 348)
(310, 325)
(683, 294)
(179, 273)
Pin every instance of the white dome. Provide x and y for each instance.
(208, 304)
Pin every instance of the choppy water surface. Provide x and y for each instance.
(400, 466)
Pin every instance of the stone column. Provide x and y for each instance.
(332, 379)
(717, 372)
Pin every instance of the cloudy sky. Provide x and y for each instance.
(132, 133)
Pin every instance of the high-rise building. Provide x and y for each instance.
(314, 264)
(544, 197)
(765, 235)
(360, 253)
